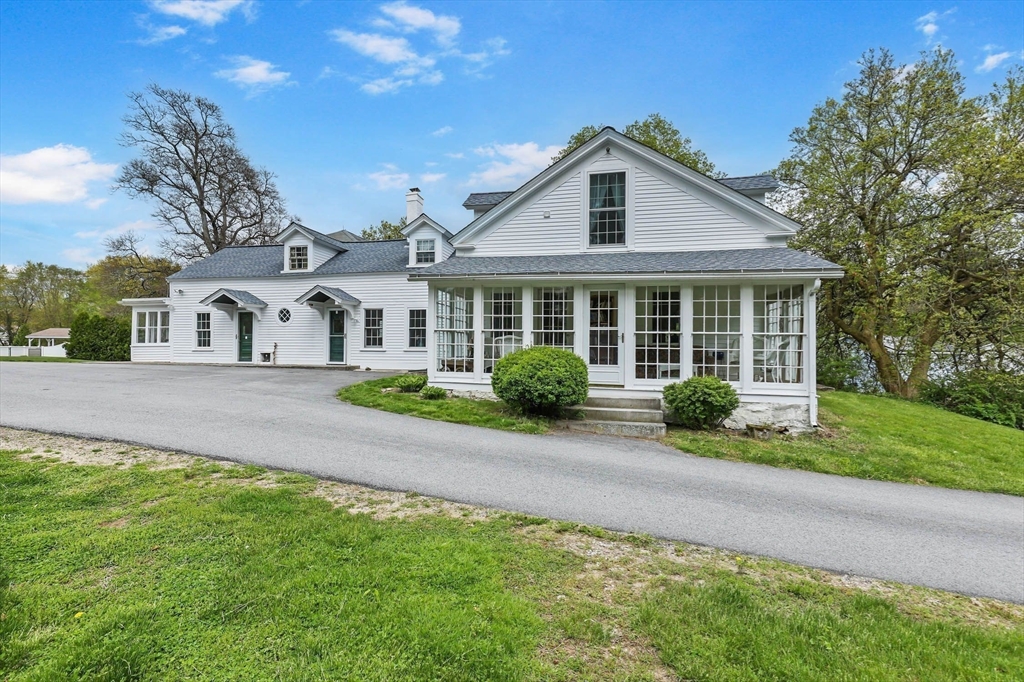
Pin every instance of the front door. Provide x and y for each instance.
(336, 336)
(605, 337)
(244, 337)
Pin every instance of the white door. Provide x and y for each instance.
(605, 356)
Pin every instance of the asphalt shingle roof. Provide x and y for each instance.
(243, 297)
(682, 262)
(765, 182)
(334, 292)
(480, 199)
(267, 261)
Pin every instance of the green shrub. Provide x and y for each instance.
(21, 336)
(95, 337)
(541, 380)
(996, 397)
(411, 383)
(701, 402)
(433, 393)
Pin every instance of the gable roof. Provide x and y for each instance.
(322, 294)
(345, 236)
(723, 261)
(236, 296)
(312, 234)
(424, 219)
(782, 225)
(268, 261)
(51, 333)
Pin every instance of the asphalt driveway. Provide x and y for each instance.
(289, 419)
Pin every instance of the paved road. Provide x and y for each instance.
(288, 419)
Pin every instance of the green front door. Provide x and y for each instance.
(244, 337)
(336, 336)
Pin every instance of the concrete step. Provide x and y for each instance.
(625, 403)
(613, 428)
(621, 414)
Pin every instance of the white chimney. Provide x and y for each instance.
(413, 204)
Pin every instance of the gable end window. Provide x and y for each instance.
(298, 257)
(203, 330)
(373, 328)
(425, 250)
(607, 208)
(418, 328)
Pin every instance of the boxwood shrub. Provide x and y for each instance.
(95, 337)
(411, 383)
(701, 402)
(541, 380)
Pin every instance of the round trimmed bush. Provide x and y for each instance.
(701, 402)
(433, 393)
(541, 380)
(411, 383)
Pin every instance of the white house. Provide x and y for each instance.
(647, 269)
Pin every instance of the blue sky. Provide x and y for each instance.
(351, 103)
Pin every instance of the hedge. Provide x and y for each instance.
(95, 337)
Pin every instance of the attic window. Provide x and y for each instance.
(425, 250)
(298, 257)
(607, 208)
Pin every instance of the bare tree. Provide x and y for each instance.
(207, 192)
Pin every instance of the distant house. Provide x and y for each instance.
(55, 336)
(647, 269)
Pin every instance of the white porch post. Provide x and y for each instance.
(580, 321)
(478, 333)
(627, 324)
(527, 315)
(810, 355)
(746, 338)
(686, 331)
(431, 332)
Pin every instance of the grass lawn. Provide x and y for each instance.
(492, 414)
(146, 565)
(885, 439)
(25, 358)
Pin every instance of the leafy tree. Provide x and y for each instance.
(38, 295)
(656, 132)
(384, 230)
(207, 192)
(126, 272)
(918, 192)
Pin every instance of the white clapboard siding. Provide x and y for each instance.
(529, 233)
(303, 339)
(151, 352)
(669, 219)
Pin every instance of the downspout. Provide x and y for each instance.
(812, 355)
(273, 355)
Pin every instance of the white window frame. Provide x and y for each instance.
(367, 328)
(408, 329)
(432, 251)
(659, 345)
(740, 333)
(292, 257)
(627, 243)
(153, 330)
(800, 302)
(462, 336)
(568, 300)
(488, 338)
(208, 330)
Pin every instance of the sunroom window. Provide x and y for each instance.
(153, 327)
(779, 334)
(658, 347)
(716, 331)
(454, 330)
(503, 323)
(607, 208)
(553, 317)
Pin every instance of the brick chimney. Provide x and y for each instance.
(413, 204)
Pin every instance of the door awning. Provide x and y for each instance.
(320, 298)
(236, 299)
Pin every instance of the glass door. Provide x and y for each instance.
(605, 336)
(336, 336)
(244, 337)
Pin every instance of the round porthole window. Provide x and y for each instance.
(284, 315)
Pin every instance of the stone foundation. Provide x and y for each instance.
(796, 418)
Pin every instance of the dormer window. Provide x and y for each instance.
(607, 208)
(298, 257)
(425, 250)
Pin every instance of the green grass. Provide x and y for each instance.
(491, 414)
(885, 439)
(26, 358)
(114, 574)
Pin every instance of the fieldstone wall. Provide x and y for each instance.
(793, 417)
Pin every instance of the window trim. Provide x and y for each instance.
(467, 331)
(740, 335)
(292, 257)
(627, 244)
(488, 329)
(409, 328)
(367, 328)
(151, 330)
(432, 251)
(195, 331)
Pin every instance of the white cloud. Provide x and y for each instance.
(205, 12)
(427, 178)
(59, 175)
(993, 61)
(80, 255)
(133, 226)
(928, 24)
(512, 162)
(384, 49)
(411, 19)
(455, 155)
(384, 85)
(392, 180)
(254, 75)
(326, 72)
(161, 34)
(441, 132)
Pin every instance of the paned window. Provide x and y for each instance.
(716, 331)
(503, 323)
(284, 315)
(298, 257)
(203, 330)
(779, 334)
(553, 321)
(454, 332)
(425, 250)
(607, 208)
(658, 333)
(604, 328)
(153, 327)
(373, 328)
(417, 328)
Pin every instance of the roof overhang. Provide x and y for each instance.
(232, 300)
(781, 274)
(424, 220)
(310, 234)
(320, 298)
(143, 302)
